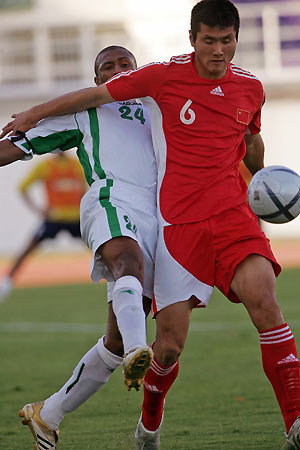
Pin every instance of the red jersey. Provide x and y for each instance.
(198, 128)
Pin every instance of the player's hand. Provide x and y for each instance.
(23, 121)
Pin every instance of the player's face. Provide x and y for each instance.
(113, 62)
(214, 49)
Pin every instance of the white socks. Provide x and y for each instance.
(90, 374)
(95, 368)
(128, 308)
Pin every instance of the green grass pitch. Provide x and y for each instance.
(220, 401)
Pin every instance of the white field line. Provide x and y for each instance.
(64, 327)
(51, 327)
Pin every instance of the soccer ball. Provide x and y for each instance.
(274, 194)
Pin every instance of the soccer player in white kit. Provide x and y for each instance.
(119, 225)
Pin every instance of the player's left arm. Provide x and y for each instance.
(255, 150)
(9, 153)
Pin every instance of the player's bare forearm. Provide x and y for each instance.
(255, 150)
(65, 104)
(9, 153)
(72, 102)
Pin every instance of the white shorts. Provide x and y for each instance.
(172, 282)
(112, 209)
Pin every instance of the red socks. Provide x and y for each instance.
(157, 382)
(280, 363)
(282, 367)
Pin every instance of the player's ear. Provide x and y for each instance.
(191, 38)
(97, 81)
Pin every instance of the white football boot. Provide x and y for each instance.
(45, 438)
(293, 437)
(135, 366)
(145, 439)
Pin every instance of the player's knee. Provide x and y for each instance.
(126, 263)
(123, 256)
(129, 264)
(169, 357)
(265, 312)
(168, 352)
(114, 344)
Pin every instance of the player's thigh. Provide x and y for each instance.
(138, 249)
(184, 265)
(254, 284)
(99, 225)
(237, 236)
(112, 249)
(254, 278)
(172, 324)
(123, 256)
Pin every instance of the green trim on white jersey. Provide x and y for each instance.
(64, 140)
(111, 212)
(94, 127)
(84, 160)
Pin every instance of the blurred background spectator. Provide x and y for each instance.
(62, 179)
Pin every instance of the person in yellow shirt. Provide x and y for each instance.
(64, 183)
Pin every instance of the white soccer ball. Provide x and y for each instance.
(274, 194)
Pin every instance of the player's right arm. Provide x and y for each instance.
(9, 153)
(65, 104)
(255, 149)
(54, 133)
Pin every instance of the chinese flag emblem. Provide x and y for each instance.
(243, 116)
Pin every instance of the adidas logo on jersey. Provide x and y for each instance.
(217, 91)
(290, 358)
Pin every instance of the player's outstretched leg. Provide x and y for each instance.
(157, 383)
(128, 308)
(44, 436)
(90, 374)
(293, 438)
(282, 367)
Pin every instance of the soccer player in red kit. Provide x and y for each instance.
(205, 115)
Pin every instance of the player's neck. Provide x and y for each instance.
(204, 73)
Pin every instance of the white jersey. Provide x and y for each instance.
(113, 142)
(114, 146)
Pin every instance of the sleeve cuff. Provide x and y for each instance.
(28, 154)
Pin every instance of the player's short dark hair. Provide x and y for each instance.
(214, 13)
(111, 48)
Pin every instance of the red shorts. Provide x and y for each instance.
(209, 252)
